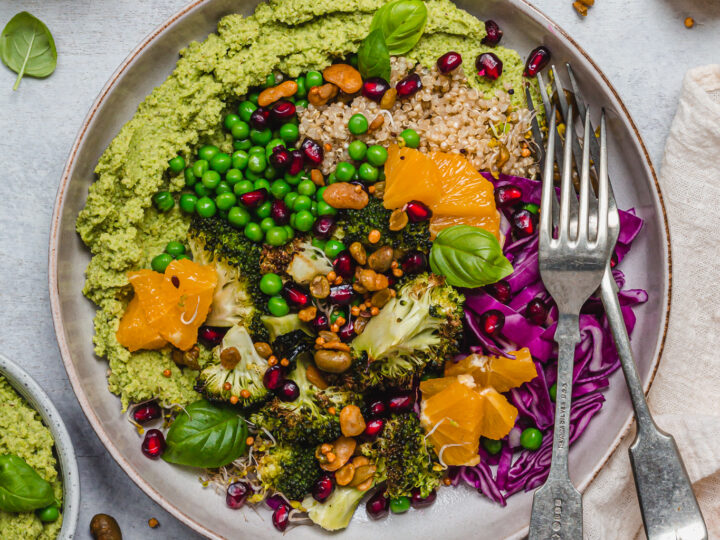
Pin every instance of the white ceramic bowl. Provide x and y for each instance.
(457, 511)
(39, 400)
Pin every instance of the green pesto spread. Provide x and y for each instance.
(23, 434)
(119, 223)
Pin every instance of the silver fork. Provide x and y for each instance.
(571, 266)
(667, 503)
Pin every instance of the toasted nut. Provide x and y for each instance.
(332, 361)
(360, 324)
(320, 287)
(345, 474)
(374, 236)
(336, 345)
(388, 99)
(380, 259)
(345, 76)
(317, 177)
(371, 280)
(377, 122)
(320, 95)
(263, 349)
(275, 93)
(343, 449)
(229, 358)
(329, 337)
(379, 189)
(352, 422)
(325, 448)
(187, 358)
(380, 298)
(362, 474)
(343, 195)
(367, 484)
(104, 527)
(398, 220)
(307, 314)
(315, 377)
(331, 457)
(359, 461)
(358, 252)
(359, 288)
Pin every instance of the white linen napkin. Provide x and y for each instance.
(685, 397)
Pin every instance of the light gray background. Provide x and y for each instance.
(641, 45)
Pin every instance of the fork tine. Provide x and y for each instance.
(603, 187)
(566, 188)
(547, 105)
(584, 217)
(582, 109)
(564, 107)
(548, 187)
(535, 126)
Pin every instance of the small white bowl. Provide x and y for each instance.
(39, 400)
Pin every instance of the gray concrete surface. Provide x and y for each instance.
(642, 46)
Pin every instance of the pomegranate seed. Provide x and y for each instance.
(320, 322)
(417, 211)
(280, 212)
(537, 311)
(281, 518)
(211, 336)
(295, 295)
(493, 33)
(492, 322)
(237, 493)
(414, 262)
(347, 331)
(377, 408)
(253, 199)
(613, 260)
(400, 403)
(524, 223)
(341, 295)
(153, 444)
(323, 488)
(344, 265)
(280, 157)
(419, 501)
(289, 391)
(489, 66)
(377, 506)
(276, 501)
(147, 412)
(408, 86)
(282, 110)
(324, 227)
(373, 428)
(312, 151)
(501, 291)
(260, 118)
(537, 60)
(449, 62)
(274, 377)
(297, 161)
(374, 88)
(507, 195)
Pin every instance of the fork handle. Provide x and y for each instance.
(667, 503)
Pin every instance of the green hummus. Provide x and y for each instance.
(22, 433)
(119, 223)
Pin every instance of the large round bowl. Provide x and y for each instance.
(457, 510)
(31, 392)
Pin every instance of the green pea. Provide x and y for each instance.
(271, 284)
(293, 179)
(324, 209)
(313, 78)
(491, 445)
(357, 150)
(279, 189)
(223, 187)
(252, 175)
(257, 150)
(243, 144)
(289, 133)
(302, 103)
(531, 438)
(318, 243)
(232, 120)
(333, 248)
(301, 88)
(411, 138)
(205, 207)
(239, 159)
(289, 231)
(241, 130)
(302, 202)
(253, 232)
(267, 223)
(377, 155)
(253, 97)
(270, 80)
(242, 187)
(208, 151)
(304, 221)
(276, 236)
(353, 60)
(182, 257)
(278, 307)
(233, 176)
(400, 505)
(225, 201)
(270, 172)
(201, 190)
(313, 208)
(257, 163)
(306, 187)
(238, 217)
(177, 164)
(261, 183)
(49, 513)
(335, 315)
(345, 171)
(260, 137)
(331, 179)
(163, 201)
(220, 162)
(290, 199)
(368, 173)
(245, 110)
(200, 167)
(175, 248)
(358, 124)
(264, 210)
(274, 143)
(190, 177)
(553, 392)
(211, 179)
(319, 193)
(160, 262)
(531, 207)
(188, 202)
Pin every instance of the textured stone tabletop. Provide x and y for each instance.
(641, 45)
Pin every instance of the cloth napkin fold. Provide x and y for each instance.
(685, 397)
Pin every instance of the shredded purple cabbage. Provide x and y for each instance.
(514, 468)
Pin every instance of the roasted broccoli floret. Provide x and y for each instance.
(290, 470)
(307, 262)
(292, 345)
(357, 224)
(337, 511)
(310, 419)
(420, 325)
(406, 460)
(277, 326)
(237, 373)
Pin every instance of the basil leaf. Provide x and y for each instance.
(22, 489)
(468, 257)
(402, 23)
(205, 435)
(27, 47)
(374, 57)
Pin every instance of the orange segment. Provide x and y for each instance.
(410, 175)
(498, 416)
(500, 373)
(135, 333)
(156, 294)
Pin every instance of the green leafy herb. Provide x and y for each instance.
(374, 57)
(468, 257)
(402, 23)
(205, 435)
(22, 489)
(27, 47)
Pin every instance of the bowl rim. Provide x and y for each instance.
(21, 381)
(58, 322)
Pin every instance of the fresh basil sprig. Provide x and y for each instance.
(468, 257)
(22, 489)
(205, 435)
(27, 47)
(402, 23)
(374, 57)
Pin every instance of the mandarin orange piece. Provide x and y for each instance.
(157, 295)
(500, 373)
(134, 332)
(498, 416)
(410, 175)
